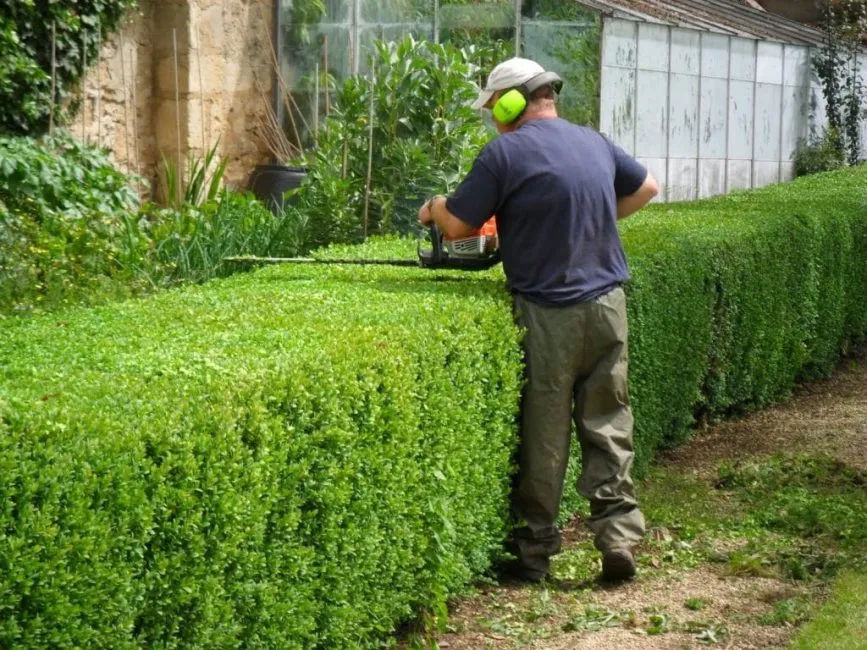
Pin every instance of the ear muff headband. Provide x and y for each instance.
(512, 104)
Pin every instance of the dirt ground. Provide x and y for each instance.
(691, 607)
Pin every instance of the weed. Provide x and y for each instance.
(683, 505)
(745, 563)
(695, 604)
(787, 611)
(808, 515)
(542, 607)
(707, 633)
(659, 624)
(593, 618)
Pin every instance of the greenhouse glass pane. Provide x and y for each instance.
(556, 10)
(488, 26)
(314, 11)
(312, 31)
(307, 28)
(392, 20)
(572, 51)
(396, 11)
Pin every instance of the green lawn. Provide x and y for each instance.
(841, 624)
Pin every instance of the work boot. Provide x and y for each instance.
(618, 565)
(515, 570)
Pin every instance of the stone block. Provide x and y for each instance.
(209, 28)
(166, 79)
(213, 74)
(165, 126)
(170, 21)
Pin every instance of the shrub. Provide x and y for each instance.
(63, 211)
(72, 228)
(424, 137)
(823, 155)
(736, 298)
(304, 456)
(189, 242)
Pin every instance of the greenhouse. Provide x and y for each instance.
(711, 96)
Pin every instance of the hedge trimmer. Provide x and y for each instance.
(477, 252)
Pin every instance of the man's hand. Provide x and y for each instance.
(425, 216)
(436, 212)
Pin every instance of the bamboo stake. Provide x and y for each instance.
(327, 101)
(99, 83)
(177, 107)
(345, 167)
(517, 27)
(53, 77)
(135, 133)
(316, 108)
(201, 85)
(127, 152)
(285, 91)
(84, 86)
(369, 151)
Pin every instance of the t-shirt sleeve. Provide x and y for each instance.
(476, 199)
(629, 174)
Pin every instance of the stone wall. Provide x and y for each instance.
(223, 84)
(118, 107)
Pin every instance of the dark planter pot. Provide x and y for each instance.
(269, 183)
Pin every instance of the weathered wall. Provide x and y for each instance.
(223, 82)
(707, 113)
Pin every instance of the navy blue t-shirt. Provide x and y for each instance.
(554, 188)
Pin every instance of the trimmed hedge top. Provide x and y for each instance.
(302, 457)
(275, 460)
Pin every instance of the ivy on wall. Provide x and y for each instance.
(25, 55)
(839, 69)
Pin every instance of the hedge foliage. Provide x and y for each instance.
(269, 461)
(734, 299)
(302, 457)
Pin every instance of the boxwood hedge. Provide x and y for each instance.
(302, 457)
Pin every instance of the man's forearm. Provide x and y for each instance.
(448, 223)
(634, 202)
(629, 205)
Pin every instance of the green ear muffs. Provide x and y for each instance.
(513, 103)
(509, 107)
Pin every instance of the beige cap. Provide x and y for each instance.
(508, 74)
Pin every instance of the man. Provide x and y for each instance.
(557, 190)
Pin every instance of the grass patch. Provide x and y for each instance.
(695, 604)
(841, 623)
(808, 515)
(788, 611)
(684, 505)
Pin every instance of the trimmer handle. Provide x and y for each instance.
(436, 255)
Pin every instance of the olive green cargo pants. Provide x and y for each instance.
(576, 368)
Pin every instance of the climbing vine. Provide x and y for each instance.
(838, 66)
(25, 55)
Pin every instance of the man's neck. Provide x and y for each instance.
(545, 114)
